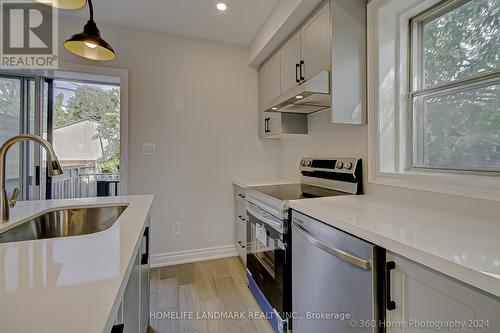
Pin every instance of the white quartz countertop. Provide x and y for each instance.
(69, 284)
(244, 183)
(463, 246)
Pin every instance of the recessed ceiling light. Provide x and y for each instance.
(299, 97)
(221, 6)
(274, 108)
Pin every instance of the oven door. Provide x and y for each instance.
(267, 256)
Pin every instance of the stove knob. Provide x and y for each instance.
(348, 165)
(339, 165)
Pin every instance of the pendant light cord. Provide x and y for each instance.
(91, 10)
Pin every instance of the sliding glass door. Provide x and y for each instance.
(82, 121)
(11, 97)
(21, 113)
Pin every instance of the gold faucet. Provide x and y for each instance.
(54, 170)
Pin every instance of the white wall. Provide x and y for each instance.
(197, 101)
(324, 139)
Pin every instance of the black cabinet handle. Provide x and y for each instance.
(145, 256)
(389, 266)
(37, 175)
(302, 65)
(241, 195)
(118, 328)
(297, 70)
(266, 125)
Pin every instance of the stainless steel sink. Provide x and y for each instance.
(64, 223)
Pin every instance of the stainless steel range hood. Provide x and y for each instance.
(311, 96)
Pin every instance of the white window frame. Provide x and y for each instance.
(417, 89)
(390, 136)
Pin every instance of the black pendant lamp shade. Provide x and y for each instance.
(89, 44)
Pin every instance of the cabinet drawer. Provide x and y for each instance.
(241, 234)
(239, 194)
(241, 225)
(241, 244)
(240, 211)
(243, 254)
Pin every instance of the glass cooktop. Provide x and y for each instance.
(285, 192)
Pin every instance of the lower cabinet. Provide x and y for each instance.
(131, 299)
(423, 298)
(240, 222)
(133, 314)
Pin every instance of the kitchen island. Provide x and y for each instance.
(72, 284)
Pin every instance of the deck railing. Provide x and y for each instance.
(72, 185)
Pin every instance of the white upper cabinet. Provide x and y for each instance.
(307, 52)
(333, 39)
(269, 87)
(272, 124)
(263, 94)
(274, 77)
(290, 63)
(270, 80)
(316, 44)
(348, 60)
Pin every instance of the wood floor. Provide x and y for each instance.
(192, 292)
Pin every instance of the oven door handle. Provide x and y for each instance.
(341, 254)
(262, 218)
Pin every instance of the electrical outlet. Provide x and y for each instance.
(149, 149)
(176, 229)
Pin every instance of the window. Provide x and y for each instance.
(86, 138)
(455, 87)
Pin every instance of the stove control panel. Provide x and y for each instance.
(337, 165)
(341, 174)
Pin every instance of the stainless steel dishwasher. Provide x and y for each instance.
(333, 279)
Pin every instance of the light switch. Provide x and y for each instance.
(149, 149)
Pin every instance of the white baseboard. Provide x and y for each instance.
(183, 257)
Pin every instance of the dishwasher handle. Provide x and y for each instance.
(341, 254)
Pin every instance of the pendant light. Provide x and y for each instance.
(89, 44)
(64, 4)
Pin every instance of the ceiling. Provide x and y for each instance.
(195, 18)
